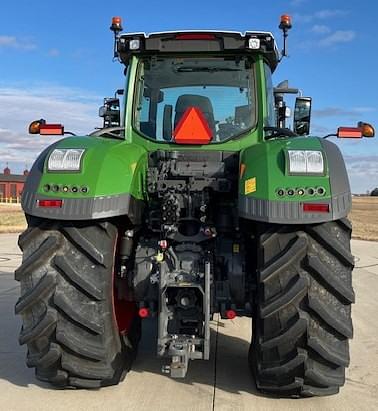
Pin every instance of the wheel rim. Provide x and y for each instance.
(124, 311)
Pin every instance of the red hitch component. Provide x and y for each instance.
(230, 314)
(50, 203)
(144, 312)
(192, 128)
(163, 244)
(315, 208)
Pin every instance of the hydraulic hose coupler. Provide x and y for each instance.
(126, 244)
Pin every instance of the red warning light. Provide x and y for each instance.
(230, 314)
(192, 128)
(50, 203)
(349, 132)
(315, 208)
(195, 36)
(144, 312)
(51, 129)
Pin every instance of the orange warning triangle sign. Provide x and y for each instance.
(192, 128)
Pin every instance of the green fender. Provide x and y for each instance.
(264, 176)
(110, 182)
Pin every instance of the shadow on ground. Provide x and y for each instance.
(229, 373)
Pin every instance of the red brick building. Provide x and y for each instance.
(11, 186)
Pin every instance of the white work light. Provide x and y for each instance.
(63, 159)
(134, 44)
(254, 43)
(305, 162)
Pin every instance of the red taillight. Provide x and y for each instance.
(315, 208)
(144, 312)
(51, 129)
(50, 203)
(230, 314)
(349, 132)
(195, 36)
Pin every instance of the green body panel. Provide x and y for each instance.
(266, 163)
(109, 167)
(112, 167)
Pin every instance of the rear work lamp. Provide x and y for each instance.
(305, 162)
(65, 159)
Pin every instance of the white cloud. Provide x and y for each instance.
(16, 43)
(326, 14)
(362, 171)
(353, 112)
(320, 29)
(75, 108)
(53, 53)
(296, 3)
(320, 15)
(337, 37)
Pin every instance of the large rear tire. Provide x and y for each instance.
(302, 318)
(67, 305)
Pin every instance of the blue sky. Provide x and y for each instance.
(56, 63)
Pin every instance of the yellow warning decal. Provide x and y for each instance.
(236, 248)
(250, 185)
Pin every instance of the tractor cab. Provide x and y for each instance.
(196, 87)
(195, 100)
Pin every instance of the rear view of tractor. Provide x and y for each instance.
(194, 199)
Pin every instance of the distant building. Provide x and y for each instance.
(11, 185)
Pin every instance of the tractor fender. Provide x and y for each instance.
(266, 174)
(110, 182)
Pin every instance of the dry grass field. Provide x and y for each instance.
(364, 217)
(12, 219)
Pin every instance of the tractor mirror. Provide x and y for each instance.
(302, 115)
(110, 112)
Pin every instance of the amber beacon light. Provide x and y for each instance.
(116, 24)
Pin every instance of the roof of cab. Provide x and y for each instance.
(198, 41)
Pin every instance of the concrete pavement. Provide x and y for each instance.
(223, 383)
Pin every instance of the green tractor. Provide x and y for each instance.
(194, 199)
